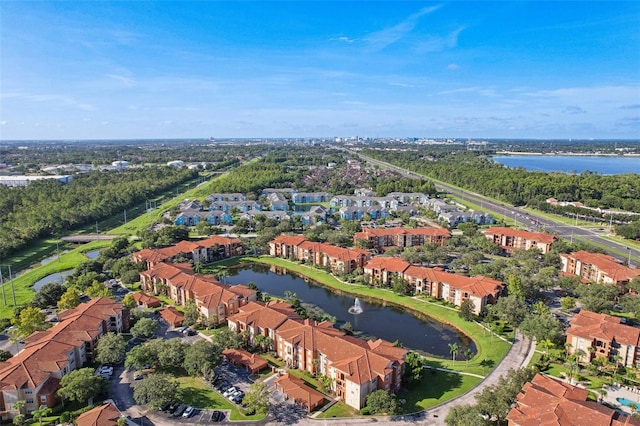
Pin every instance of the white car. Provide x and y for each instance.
(188, 412)
(105, 370)
(229, 391)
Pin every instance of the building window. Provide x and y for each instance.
(28, 392)
(29, 400)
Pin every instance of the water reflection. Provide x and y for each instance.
(378, 318)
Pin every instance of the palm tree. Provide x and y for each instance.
(547, 344)
(468, 354)
(453, 350)
(573, 365)
(41, 412)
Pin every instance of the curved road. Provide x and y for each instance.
(568, 232)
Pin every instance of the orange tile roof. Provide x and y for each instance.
(297, 390)
(548, 402)
(172, 315)
(604, 327)
(47, 351)
(536, 236)
(381, 232)
(605, 263)
(146, 299)
(478, 285)
(391, 264)
(251, 361)
(104, 415)
(290, 240)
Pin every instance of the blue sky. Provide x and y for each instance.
(136, 69)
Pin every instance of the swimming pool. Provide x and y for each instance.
(627, 402)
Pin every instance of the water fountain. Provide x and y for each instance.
(356, 308)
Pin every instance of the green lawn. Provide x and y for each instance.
(338, 410)
(194, 392)
(434, 388)
(489, 350)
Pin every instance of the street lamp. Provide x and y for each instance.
(629, 258)
(12, 289)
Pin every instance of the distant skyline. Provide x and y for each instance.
(222, 69)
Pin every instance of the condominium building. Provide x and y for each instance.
(598, 267)
(510, 239)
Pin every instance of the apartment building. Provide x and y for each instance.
(358, 367)
(214, 300)
(598, 267)
(33, 375)
(510, 239)
(547, 401)
(435, 282)
(340, 260)
(202, 251)
(604, 336)
(379, 238)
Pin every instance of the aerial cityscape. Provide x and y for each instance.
(320, 213)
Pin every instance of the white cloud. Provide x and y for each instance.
(3, 123)
(383, 38)
(343, 39)
(439, 43)
(453, 67)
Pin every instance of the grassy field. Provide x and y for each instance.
(23, 283)
(338, 410)
(490, 350)
(435, 388)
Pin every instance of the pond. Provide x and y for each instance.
(58, 277)
(378, 318)
(92, 254)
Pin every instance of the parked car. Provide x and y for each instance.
(166, 406)
(139, 376)
(173, 407)
(108, 370)
(229, 391)
(188, 412)
(217, 416)
(179, 410)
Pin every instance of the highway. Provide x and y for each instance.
(520, 217)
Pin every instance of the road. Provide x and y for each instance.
(529, 218)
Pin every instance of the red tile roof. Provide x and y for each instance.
(381, 232)
(548, 402)
(104, 415)
(253, 362)
(591, 325)
(479, 285)
(146, 299)
(605, 263)
(534, 236)
(391, 264)
(297, 390)
(172, 316)
(289, 240)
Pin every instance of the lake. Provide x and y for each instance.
(572, 163)
(378, 319)
(58, 278)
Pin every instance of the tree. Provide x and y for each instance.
(263, 342)
(226, 338)
(514, 286)
(48, 295)
(381, 402)
(495, 400)
(257, 398)
(81, 385)
(201, 358)
(171, 352)
(453, 350)
(155, 390)
(97, 289)
(467, 308)
(414, 367)
(568, 302)
(468, 354)
(145, 328)
(42, 411)
(111, 348)
(401, 286)
(511, 309)
(464, 415)
(18, 406)
(541, 327)
(191, 313)
(31, 319)
(70, 299)
(547, 344)
(140, 356)
(5, 355)
(128, 302)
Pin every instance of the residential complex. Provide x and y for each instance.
(598, 267)
(104, 415)
(510, 239)
(339, 260)
(357, 367)
(214, 300)
(203, 251)
(379, 238)
(604, 336)
(546, 401)
(34, 374)
(435, 282)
